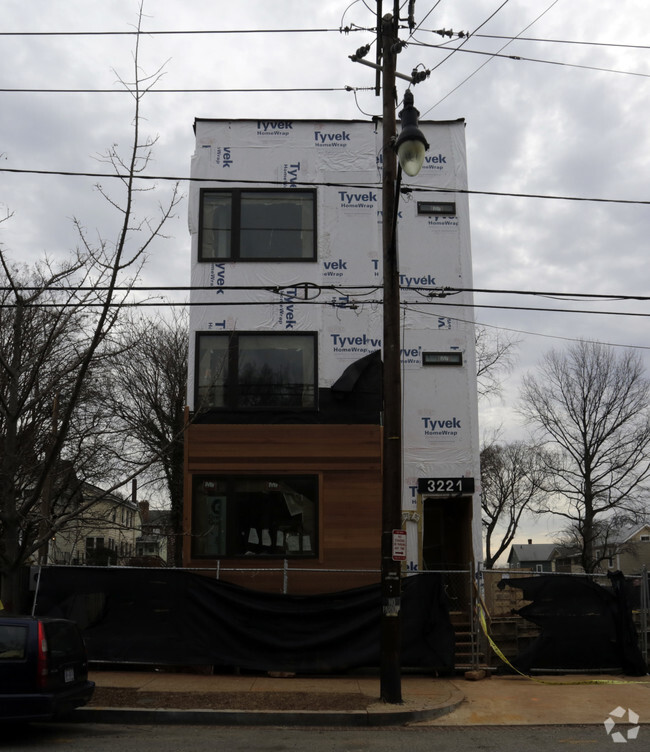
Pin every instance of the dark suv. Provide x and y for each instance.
(43, 668)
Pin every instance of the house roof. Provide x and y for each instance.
(626, 533)
(531, 551)
(159, 516)
(91, 491)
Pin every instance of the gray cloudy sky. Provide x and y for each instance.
(570, 120)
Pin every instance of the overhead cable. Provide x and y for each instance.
(410, 189)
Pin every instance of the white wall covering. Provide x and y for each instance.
(342, 159)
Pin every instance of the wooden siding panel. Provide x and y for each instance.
(348, 461)
(293, 447)
(351, 523)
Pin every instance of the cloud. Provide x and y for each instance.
(531, 128)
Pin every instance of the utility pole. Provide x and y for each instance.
(390, 646)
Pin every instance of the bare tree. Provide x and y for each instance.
(46, 329)
(591, 407)
(55, 324)
(512, 478)
(145, 392)
(495, 357)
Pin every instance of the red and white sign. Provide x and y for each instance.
(399, 545)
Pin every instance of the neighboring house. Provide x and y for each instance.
(284, 449)
(103, 532)
(154, 545)
(628, 552)
(538, 557)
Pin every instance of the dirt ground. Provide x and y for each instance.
(110, 697)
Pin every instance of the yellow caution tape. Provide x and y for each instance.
(499, 652)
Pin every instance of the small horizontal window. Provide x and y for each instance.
(254, 225)
(256, 371)
(254, 515)
(442, 358)
(438, 208)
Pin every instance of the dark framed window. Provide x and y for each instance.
(257, 225)
(254, 515)
(256, 370)
(438, 208)
(442, 358)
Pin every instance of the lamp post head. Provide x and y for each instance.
(411, 144)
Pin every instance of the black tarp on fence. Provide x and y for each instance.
(175, 617)
(584, 626)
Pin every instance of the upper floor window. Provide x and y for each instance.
(257, 225)
(256, 370)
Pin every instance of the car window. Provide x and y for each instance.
(13, 640)
(63, 639)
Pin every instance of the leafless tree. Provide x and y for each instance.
(512, 477)
(145, 388)
(56, 323)
(495, 357)
(590, 405)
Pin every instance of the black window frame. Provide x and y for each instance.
(235, 225)
(232, 400)
(234, 534)
(437, 208)
(442, 358)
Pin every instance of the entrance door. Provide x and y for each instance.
(447, 545)
(447, 532)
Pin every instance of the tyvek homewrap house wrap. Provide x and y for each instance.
(335, 291)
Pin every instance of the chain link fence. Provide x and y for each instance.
(467, 594)
(467, 591)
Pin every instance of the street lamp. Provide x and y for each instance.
(411, 143)
(410, 147)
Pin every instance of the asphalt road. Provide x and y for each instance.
(75, 737)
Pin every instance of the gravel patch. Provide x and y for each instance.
(113, 697)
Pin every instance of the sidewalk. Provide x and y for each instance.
(152, 697)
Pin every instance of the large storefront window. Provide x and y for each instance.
(254, 515)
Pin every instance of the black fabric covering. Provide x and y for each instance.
(583, 626)
(172, 617)
(363, 372)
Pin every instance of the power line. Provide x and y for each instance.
(535, 334)
(376, 186)
(536, 309)
(163, 32)
(307, 286)
(351, 303)
(405, 304)
(539, 293)
(188, 91)
(473, 73)
(562, 41)
(520, 58)
(465, 40)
